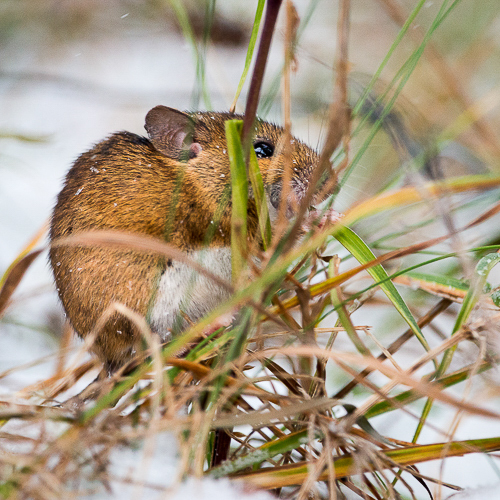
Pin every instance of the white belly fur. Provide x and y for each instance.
(182, 289)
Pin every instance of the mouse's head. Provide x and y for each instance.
(199, 140)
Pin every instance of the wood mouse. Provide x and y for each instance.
(167, 186)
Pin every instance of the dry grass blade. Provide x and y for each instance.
(272, 417)
(13, 278)
(408, 195)
(14, 273)
(338, 124)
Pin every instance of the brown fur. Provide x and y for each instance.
(125, 183)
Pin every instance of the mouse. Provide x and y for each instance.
(167, 185)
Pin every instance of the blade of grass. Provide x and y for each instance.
(250, 50)
(296, 474)
(344, 317)
(452, 80)
(434, 282)
(406, 26)
(12, 277)
(362, 253)
(239, 197)
(483, 269)
(27, 249)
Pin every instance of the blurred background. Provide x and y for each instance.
(74, 71)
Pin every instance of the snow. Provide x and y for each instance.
(487, 493)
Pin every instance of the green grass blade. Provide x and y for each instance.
(362, 253)
(239, 196)
(250, 50)
(344, 317)
(445, 281)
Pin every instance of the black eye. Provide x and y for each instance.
(263, 149)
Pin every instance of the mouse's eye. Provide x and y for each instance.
(263, 149)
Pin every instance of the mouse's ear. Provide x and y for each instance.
(170, 131)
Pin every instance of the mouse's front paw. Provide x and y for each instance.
(222, 321)
(319, 219)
